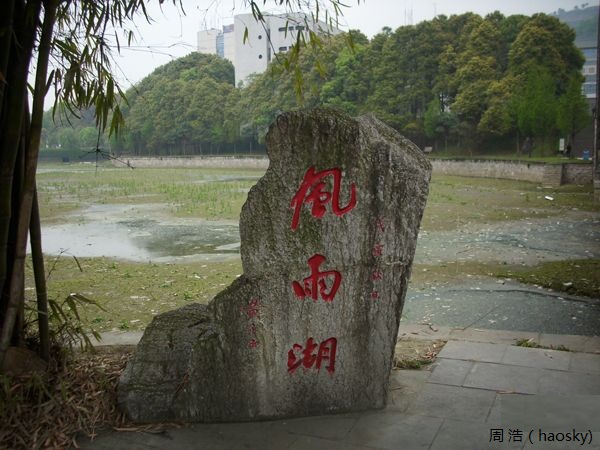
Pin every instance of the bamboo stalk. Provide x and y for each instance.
(31, 156)
(39, 273)
(6, 17)
(22, 33)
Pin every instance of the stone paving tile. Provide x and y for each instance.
(257, 435)
(537, 357)
(405, 386)
(466, 435)
(553, 382)
(225, 437)
(443, 401)
(585, 363)
(592, 345)
(492, 336)
(573, 342)
(311, 443)
(269, 435)
(551, 411)
(326, 427)
(450, 371)
(523, 380)
(494, 417)
(404, 378)
(473, 351)
(113, 441)
(172, 439)
(110, 338)
(392, 430)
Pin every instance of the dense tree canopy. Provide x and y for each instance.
(464, 78)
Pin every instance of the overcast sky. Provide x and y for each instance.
(172, 34)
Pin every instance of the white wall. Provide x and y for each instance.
(229, 46)
(250, 56)
(207, 41)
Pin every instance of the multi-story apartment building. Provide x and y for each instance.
(589, 71)
(277, 33)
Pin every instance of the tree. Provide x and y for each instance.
(77, 38)
(572, 113)
(545, 42)
(535, 105)
(438, 122)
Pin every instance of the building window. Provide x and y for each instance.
(260, 36)
(259, 56)
(589, 89)
(282, 49)
(300, 28)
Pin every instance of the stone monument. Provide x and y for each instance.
(328, 236)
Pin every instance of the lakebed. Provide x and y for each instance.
(147, 240)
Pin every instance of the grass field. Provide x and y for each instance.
(206, 193)
(132, 293)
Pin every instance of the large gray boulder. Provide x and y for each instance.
(327, 242)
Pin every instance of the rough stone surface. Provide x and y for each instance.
(235, 359)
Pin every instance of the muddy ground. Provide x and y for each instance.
(153, 239)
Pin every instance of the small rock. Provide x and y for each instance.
(21, 361)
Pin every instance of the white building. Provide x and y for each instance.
(207, 41)
(276, 34)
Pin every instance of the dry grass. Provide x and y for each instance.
(416, 353)
(49, 410)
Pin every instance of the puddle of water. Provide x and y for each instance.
(128, 232)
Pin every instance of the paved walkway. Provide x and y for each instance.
(454, 404)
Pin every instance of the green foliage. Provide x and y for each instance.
(461, 78)
(68, 328)
(536, 103)
(546, 43)
(572, 109)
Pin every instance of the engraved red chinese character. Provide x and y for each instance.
(380, 224)
(312, 190)
(252, 310)
(374, 295)
(253, 343)
(306, 357)
(377, 275)
(378, 250)
(316, 283)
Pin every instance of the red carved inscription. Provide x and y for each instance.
(313, 190)
(315, 284)
(306, 356)
(378, 250)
